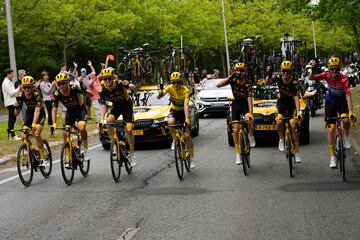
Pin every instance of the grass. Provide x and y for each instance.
(355, 95)
(11, 146)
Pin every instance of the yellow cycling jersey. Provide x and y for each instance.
(178, 97)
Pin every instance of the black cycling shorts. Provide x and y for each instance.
(29, 116)
(286, 107)
(125, 109)
(332, 109)
(75, 115)
(239, 107)
(178, 115)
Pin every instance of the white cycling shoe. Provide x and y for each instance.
(297, 158)
(281, 145)
(132, 160)
(347, 143)
(173, 145)
(86, 154)
(333, 162)
(238, 160)
(252, 141)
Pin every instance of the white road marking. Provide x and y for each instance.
(54, 162)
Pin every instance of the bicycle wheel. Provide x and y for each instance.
(178, 159)
(46, 171)
(121, 70)
(115, 161)
(289, 154)
(125, 158)
(67, 163)
(341, 157)
(163, 71)
(243, 153)
(150, 69)
(84, 165)
(187, 159)
(25, 165)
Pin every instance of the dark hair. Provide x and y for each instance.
(42, 75)
(63, 65)
(8, 71)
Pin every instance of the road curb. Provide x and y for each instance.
(5, 159)
(355, 159)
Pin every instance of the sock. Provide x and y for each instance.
(131, 145)
(296, 147)
(173, 133)
(191, 152)
(42, 154)
(332, 150)
(85, 142)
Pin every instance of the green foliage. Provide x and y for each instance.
(49, 32)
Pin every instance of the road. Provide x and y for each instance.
(215, 201)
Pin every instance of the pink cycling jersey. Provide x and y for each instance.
(337, 87)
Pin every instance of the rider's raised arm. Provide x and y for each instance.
(162, 92)
(223, 82)
(250, 99)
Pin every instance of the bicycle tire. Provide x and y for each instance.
(115, 162)
(289, 154)
(150, 70)
(64, 155)
(243, 153)
(125, 159)
(163, 71)
(28, 163)
(342, 158)
(121, 70)
(187, 160)
(179, 163)
(48, 157)
(248, 149)
(83, 165)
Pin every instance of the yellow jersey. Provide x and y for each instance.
(178, 98)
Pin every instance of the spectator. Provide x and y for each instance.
(204, 73)
(46, 91)
(216, 73)
(10, 93)
(21, 75)
(94, 86)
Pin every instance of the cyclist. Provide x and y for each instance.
(242, 104)
(288, 104)
(337, 100)
(179, 111)
(70, 97)
(35, 114)
(114, 93)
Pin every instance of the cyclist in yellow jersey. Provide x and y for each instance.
(115, 93)
(179, 112)
(70, 97)
(35, 113)
(242, 104)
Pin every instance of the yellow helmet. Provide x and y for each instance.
(61, 77)
(107, 73)
(286, 65)
(27, 80)
(175, 76)
(334, 62)
(240, 66)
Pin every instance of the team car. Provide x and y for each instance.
(264, 112)
(150, 117)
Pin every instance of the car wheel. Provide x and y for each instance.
(195, 131)
(201, 115)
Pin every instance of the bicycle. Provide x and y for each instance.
(244, 144)
(182, 155)
(119, 153)
(289, 144)
(340, 151)
(72, 155)
(28, 158)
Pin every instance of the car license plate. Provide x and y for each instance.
(138, 132)
(217, 104)
(265, 127)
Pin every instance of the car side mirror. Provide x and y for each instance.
(198, 89)
(230, 98)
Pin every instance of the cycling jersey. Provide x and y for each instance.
(117, 94)
(72, 101)
(240, 89)
(31, 103)
(287, 90)
(337, 89)
(178, 97)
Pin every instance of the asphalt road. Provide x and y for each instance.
(214, 201)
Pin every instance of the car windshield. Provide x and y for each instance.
(265, 92)
(149, 98)
(211, 85)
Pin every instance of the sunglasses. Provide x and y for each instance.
(26, 88)
(174, 83)
(242, 70)
(107, 79)
(334, 69)
(286, 71)
(62, 83)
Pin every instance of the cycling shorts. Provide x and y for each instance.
(125, 109)
(178, 115)
(75, 116)
(286, 107)
(332, 109)
(239, 107)
(29, 117)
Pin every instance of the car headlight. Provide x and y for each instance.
(200, 98)
(160, 120)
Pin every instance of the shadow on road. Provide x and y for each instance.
(321, 187)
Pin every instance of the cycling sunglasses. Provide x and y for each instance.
(107, 79)
(286, 71)
(242, 70)
(26, 88)
(334, 69)
(174, 83)
(63, 83)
